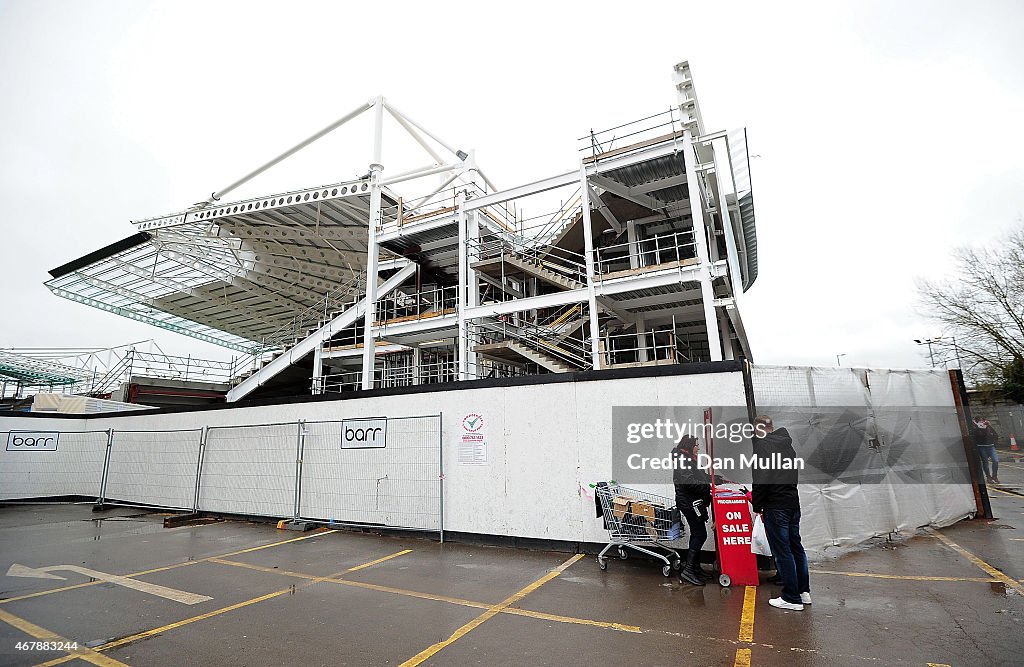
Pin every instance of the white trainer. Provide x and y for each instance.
(805, 598)
(782, 604)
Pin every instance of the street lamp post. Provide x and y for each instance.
(838, 357)
(928, 342)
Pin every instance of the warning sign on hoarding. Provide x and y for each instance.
(472, 444)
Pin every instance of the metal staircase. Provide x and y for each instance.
(326, 328)
(542, 345)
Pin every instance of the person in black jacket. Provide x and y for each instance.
(985, 437)
(693, 499)
(776, 498)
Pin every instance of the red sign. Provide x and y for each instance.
(733, 529)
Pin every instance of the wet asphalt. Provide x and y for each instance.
(341, 598)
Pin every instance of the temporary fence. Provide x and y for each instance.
(376, 472)
(890, 441)
(78, 471)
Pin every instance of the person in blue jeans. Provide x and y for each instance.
(985, 437)
(776, 498)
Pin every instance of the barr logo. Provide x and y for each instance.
(44, 441)
(364, 433)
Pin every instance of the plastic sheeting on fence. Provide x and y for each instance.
(78, 471)
(900, 433)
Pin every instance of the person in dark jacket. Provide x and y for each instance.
(776, 498)
(985, 437)
(693, 499)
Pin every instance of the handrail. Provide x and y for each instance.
(532, 336)
(662, 249)
(655, 351)
(564, 262)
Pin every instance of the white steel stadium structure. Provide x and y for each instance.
(356, 285)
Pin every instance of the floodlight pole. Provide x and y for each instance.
(372, 251)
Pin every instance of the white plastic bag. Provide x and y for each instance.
(758, 538)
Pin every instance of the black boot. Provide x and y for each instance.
(701, 573)
(689, 572)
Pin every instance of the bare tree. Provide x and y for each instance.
(981, 306)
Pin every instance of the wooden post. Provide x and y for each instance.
(963, 411)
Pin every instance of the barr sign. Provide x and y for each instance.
(364, 433)
(32, 441)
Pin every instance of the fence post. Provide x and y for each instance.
(440, 475)
(300, 446)
(199, 466)
(106, 470)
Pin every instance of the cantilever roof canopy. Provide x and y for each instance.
(232, 274)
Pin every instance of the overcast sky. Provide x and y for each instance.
(888, 132)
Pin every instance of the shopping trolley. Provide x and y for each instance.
(639, 521)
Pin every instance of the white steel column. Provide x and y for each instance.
(588, 250)
(318, 369)
(641, 338)
(372, 251)
(703, 256)
(723, 323)
(460, 202)
(634, 247)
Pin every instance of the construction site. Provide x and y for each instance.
(434, 275)
(417, 413)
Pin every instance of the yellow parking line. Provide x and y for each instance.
(746, 626)
(994, 571)
(444, 598)
(747, 618)
(906, 577)
(489, 614)
(224, 610)
(42, 634)
(61, 589)
(379, 560)
(188, 621)
(260, 568)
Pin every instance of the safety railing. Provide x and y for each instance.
(651, 254)
(659, 345)
(444, 202)
(561, 316)
(573, 352)
(632, 136)
(315, 316)
(401, 306)
(166, 367)
(407, 375)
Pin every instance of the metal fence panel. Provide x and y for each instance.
(74, 468)
(249, 470)
(153, 468)
(398, 485)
